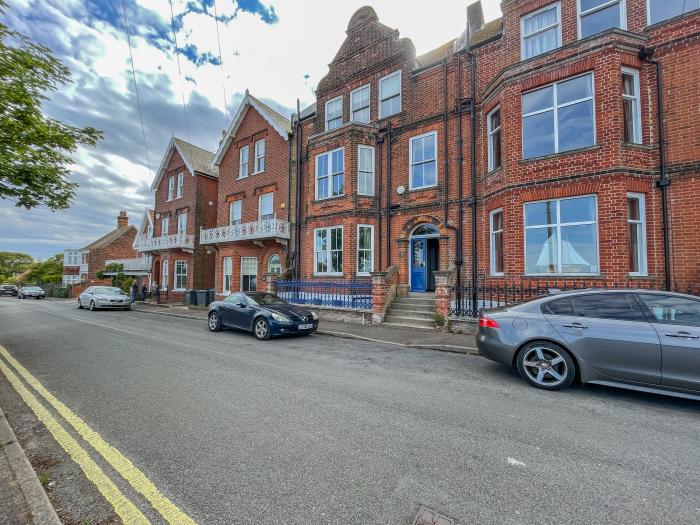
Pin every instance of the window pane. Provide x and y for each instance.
(429, 174)
(336, 239)
(558, 307)
(634, 247)
(365, 238)
(574, 89)
(365, 159)
(338, 184)
(580, 209)
(498, 252)
(664, 9)
(361, 115)
(633, 209)
(672, 310)
(540, 20)
(540, 213)
(417, 179)
(541, 250)
(538, 135)
(538, 100)
(600, 20)
(618, 306)
(322, 166)
(497, 221)
(496, 150)
(541, 42)
(323, 188)
(337, 262)
(417, 150)
(337, 161)
(576, 126)
(629, 111)
(579, 249)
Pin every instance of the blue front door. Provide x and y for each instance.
(418, 264)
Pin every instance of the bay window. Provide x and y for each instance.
(359, 104)
(559, 117)
(540, 31)
(365, 170)
(631, 108)
(365, 249)
(334, 113)
(595, 16)
(493, 125)
(328, 251)
(561, 236)
(636, 220)
(390, 94)
(330, 174)
(496, 241)
(423, 160)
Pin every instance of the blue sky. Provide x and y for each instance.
(279, 49)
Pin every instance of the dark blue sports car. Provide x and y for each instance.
(264, 314)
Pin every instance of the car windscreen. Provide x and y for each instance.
(33, 289)
(105, 290)
(265, 298)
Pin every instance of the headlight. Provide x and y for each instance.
(279, 317)
(314, 316)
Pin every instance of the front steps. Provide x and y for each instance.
(415, 311)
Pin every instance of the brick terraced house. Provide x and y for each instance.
(252, 228)
(185, 188)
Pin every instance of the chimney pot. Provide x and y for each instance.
(122, 219)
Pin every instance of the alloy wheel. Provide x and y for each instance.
(545, 366)
(213, 322)
(261, 329)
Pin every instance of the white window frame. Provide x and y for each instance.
(329, 251)
(165, 226)
(604, 5)
(180, 188)
(226, 274)
(650, 23)
(269, 262)
(330, 175)
(248, 259)
(492, 243)
(642, 235)
(558, 226)
(171, 187)
(370, 250)
(259, 159)
(243, 165)
(368, 106)
(182, 223)
(165, 274)
(235, 206)
(380, 99)
(523, 36)
(176, 275)
(271, 196)
(71, 258)
(491, 132)
(369, 174)
(637, 99)
(410, 160)
(556, 107)
(325, 115)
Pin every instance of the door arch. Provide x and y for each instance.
(423, 257)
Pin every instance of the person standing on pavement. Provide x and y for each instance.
(134, 291)
(144, 292)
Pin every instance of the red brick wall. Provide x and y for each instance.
(119, 248)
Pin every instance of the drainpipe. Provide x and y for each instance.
(297, 235)
(472, 155)
(378, 183)
(388, 195)
(445, 152)
(290, 137)
(460, 175)
(664, 182)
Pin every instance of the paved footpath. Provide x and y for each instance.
(221, 428)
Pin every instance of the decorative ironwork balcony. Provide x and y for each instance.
(247, 231)
(167, 242)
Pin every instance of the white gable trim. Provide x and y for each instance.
(164, 163)
(248, 101)
(143, 230)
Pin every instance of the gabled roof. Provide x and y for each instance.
(279, 122)
(146, 219)
(196, 159)
(106, 239)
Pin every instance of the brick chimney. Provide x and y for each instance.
(122, 220)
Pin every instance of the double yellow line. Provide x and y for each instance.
(123, 507)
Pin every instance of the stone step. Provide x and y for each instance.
(423, 314)
(412, 300)
(413, 306)
(410, 321)
(411, 326)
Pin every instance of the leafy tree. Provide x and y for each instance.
(49, 271)
(34, 149)
(13, 263)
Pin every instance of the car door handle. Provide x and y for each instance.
(683, 335)
(574, 325)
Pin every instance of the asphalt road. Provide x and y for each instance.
(328, 430)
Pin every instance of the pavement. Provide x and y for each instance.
(323, 429)
(405, 337)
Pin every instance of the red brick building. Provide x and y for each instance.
(185, 201)
(252, 228)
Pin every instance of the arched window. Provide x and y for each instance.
(425, 229)
(274, 265)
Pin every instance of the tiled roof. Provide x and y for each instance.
(490, 29)
(436, 54)
(106, 239)
(279, 119)
(197, 158)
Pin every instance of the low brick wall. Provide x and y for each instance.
(343, 315)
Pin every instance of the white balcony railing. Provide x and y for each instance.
(167, 242)
(137, 264)
(248, 231)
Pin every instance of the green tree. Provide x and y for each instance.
(34, 149)
(49, 271)
(12, 263)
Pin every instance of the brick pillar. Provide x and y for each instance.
(379, 293)
(442, 293)
(271, 282)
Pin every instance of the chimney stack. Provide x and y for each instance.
(475, 19)
(122, 220)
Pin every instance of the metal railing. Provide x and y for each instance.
(269, 228)
(334, 294)
(166, 242)
(492, 294)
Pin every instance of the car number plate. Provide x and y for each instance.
(305, 326)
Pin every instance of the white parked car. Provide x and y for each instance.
(96, 297)
(31, 291)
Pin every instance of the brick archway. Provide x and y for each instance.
(410, 225)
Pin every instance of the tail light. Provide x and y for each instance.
(486, 322)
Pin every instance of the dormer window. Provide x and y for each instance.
(359, 105)
(595, 16)
(334, 113)
(540, 31)
(390, 94)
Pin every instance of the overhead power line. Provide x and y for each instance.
(179, 70)
(221, 64)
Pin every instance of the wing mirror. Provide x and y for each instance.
(241, 304)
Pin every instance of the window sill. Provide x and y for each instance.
(639, 276)
(365, 194)
(497, 275)
(383, 117)
(328, 274)
(243, 177)
(257, 172)
(326, 199)
(588, 277)
(636, 145)
(560, 154)
(494, 171)
(423, 188)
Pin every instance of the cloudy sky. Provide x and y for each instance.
(278, 49)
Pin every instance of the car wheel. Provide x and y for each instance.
(261, 329)
(214, 322)
(80, 306)
(546, 365)
(92, 306)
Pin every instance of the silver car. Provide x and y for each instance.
(638, 339)
(97, 297)
(31, 291)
